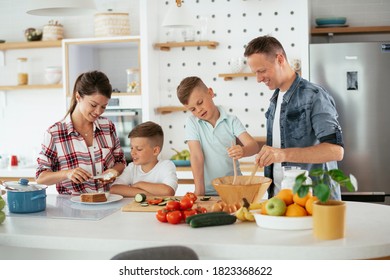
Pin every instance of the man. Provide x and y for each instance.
(302, 125)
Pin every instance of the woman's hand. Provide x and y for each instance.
(109, 176)
(78, 175)
(235, 151)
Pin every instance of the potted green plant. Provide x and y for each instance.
(321, 187)
(328, 215)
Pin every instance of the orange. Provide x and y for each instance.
(263, 209)
(301, 200)
(309, 204)
(286, 195)
(295, 210)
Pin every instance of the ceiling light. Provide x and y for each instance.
(60, 7)
(178, 16)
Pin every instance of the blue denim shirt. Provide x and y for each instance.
(308, 116)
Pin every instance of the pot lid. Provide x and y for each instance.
(23, 186)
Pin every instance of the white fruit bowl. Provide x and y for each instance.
(283, 222)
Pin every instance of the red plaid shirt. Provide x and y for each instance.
(63, 148)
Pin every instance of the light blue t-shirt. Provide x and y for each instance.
(214, 142)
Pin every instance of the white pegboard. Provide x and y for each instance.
(232, 23)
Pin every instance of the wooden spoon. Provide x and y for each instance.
(235, 170)
(253, 173)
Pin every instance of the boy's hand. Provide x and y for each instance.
(235, 152)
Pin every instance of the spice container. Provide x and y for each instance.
(132, 80)
(22, 71)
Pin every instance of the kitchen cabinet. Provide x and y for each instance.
(6, 47)
(113, 56)
(167, 46)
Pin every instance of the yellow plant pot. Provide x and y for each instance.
(329, 219)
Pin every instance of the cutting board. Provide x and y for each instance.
(136, 207)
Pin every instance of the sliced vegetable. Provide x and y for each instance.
(205, 198)
(192, 196)
(163, 203)
(144, 204)
(140, 197)
(212, 220)
(155, 201)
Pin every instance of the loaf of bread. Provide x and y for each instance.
(93, 197)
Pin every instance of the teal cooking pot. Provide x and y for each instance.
(23, 197)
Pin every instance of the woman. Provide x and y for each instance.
(83, 144)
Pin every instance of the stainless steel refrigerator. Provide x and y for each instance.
(357, 75)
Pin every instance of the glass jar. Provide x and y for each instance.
(289, 175)
(22, 71)
(132, 80)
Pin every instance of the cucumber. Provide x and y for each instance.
(140, 197)
(188, 219)
(205, 198)
(144, 204)
(163, 203)
(216, 220)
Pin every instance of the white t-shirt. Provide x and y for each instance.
(164, 172)
(278, 172)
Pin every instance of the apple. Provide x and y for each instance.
(2, 217)
(2, 203)
(275, 206)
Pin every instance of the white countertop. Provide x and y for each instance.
(26, 236)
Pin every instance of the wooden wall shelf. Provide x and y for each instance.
(31, 45)
(231, 76)
(168, 46)
(29, 87)
(170, 109)
(318, 31)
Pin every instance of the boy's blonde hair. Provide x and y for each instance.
(186, 87)
(149, 130)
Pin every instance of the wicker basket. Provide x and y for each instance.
(53, 32)
(111, 24)
(233, 194)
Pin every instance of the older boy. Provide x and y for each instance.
(211, 136)
(146, 174)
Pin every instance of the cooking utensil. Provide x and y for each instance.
(253, 173)
(234, 169)
(23, 197)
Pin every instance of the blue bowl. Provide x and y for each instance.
(331, 20)
(182, 162)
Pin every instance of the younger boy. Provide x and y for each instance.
(211, 136)
(146, 174)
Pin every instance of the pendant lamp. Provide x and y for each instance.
(178, 16)
(60, 7)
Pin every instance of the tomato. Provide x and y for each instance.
(191, 196)
(161, 215)
(174, 217)
(188, 212)
(186, 203)
(172, 205)
(200, 209)
(155, 201)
